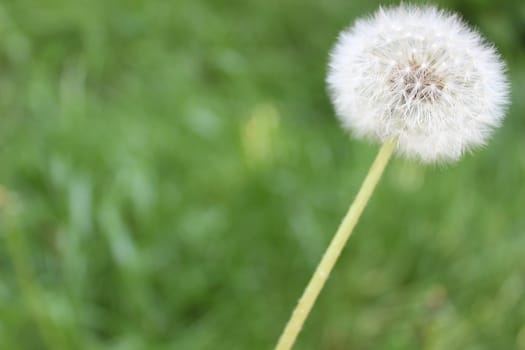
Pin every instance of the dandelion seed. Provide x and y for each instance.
(450, 83)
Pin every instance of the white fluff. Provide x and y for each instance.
(422, 76)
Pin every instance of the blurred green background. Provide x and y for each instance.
(172, 171)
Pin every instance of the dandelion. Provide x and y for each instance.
(421, 76)
(419, 81)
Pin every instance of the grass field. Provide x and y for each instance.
(172, 171)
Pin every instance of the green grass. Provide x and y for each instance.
(175, 172)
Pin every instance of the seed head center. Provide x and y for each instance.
(419, 82)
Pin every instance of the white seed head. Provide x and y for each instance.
(420, 75)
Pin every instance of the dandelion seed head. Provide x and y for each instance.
(422, 76)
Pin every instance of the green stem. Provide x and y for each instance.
(305, 304)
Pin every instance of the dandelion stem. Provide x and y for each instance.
(305, 304)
